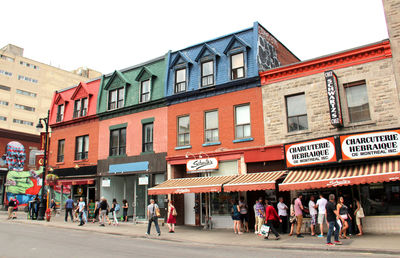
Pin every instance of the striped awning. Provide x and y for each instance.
(347, 175)
(254, 181)
(75, 182)
(191, 185)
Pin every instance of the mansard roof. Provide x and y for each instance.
(238, 41)
(180, 55)
(206, 48)
(117, 75)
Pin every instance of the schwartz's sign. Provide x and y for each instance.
(310, 152)
(333, 98)
(370, 145)
(201, 165)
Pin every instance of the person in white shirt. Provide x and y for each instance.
(283, 214)
(321, 203)
(313, 214)
(81, 207)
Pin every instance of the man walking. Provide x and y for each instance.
(298, 211)
(271, 217)
(331, 216)
(81, 207)
(69, 206)
(283, 215)
(152, 210)
(313, 214)
(321, 203)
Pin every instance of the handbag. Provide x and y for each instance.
(292, 219)
(264, 231)
(360, 213)
(174, 213)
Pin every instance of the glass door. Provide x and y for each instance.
(141, 201)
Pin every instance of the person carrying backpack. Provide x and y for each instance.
(115, 210)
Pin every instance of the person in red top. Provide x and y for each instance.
(271, 216)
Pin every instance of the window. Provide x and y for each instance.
(3, 118)
(22, 122)
(147, 137)
(28, 79)
(2, 87)
(357, 101)
(10, 59)
(145, 91)
(60, 151)
(3, 103)
(60, 113)
(242, 122)
(23, 107)
(211, 126)
(82, 147)
(29, 65)
(116, 99)
(180, 80)
(5, 73)
(183, 130)
(237, 66)
(296, 113)
(26, 93)
(117, 142)
(80, 107)
(207, 73)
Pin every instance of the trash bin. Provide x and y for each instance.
(48, 214)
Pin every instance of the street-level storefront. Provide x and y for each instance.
(129, 178)
(362, 166)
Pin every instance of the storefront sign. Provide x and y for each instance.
(311, 152)
(370, 145)
(143, 180)
(43, 141)
(338, 182)
(201, 165)
(333, 98)
(106, 182)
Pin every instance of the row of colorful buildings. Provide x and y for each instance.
(239, 115)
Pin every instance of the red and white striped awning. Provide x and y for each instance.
(347, 175)
(191, 185)
(254, 182)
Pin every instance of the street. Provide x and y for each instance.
(21, 240)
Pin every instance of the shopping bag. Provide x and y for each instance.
(264, 231)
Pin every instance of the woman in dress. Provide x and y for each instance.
(171, 221)
(125, 210)
(359, 214)
(292, 218)
(344, 213)
(236, 216)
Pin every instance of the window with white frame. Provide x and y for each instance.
(147, 137)
(357, 101)
(115, 98)
(60, 113)
(145, 91)
(183, 130)
(80, 107)
(82, 147)
(180, 80)
(207, 73)
(296, 112)
(60, 150)
(118, 142)
(242, 122)
(237, 66)
(211, 133)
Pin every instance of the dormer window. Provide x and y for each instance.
(115, 99)
(207, 73)
(237, 66)
(180, 80)
(60, 113)
(80, 107)
(145, 91)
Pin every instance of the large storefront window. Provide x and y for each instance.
(221, 203)
(381, 198)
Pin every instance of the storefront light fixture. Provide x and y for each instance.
(203, 153)
(189, 153)
(76, 166)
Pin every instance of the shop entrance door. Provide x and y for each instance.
(141, 201)
(91, 194)
(189, 203)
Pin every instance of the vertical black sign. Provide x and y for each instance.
(333, 98)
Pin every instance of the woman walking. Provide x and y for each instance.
(125, 210)
(292, 219)
(344, 213)
(236, 216)
(171, 221)
(359, 214)
(115, 209)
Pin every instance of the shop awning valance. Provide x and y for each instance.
(75, 182)
(191, 185)
(254, 181)
(347, 175)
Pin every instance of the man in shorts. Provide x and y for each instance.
(313, 214)
(321, 203)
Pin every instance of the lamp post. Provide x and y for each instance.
(43, 202)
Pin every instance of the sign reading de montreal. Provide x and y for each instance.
(370, 145)
(310, 152)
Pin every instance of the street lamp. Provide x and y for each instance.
(43, 203)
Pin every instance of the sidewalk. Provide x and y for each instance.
(384, 244)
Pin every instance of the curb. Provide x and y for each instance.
(276, 247)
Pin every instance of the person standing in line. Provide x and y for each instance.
(332, 215)
(260, 214)
(244, 216)
(344, 214)
(283, 215)
(152, 214)
(171, 221)
(255, 217)
(298, 210)
(321, 203)
(271, 217)
(115, 209)
(313, 213)
(96, 211)
(69, 206)
(125, 210)
(293, 218)
(103, 210)
(81, 209)
(359, 214)
(236, 216)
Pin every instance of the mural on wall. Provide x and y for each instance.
(267, 54)
(24, 185)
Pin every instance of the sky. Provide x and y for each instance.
(111, 35)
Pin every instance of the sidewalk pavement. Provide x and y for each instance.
(384, 244)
